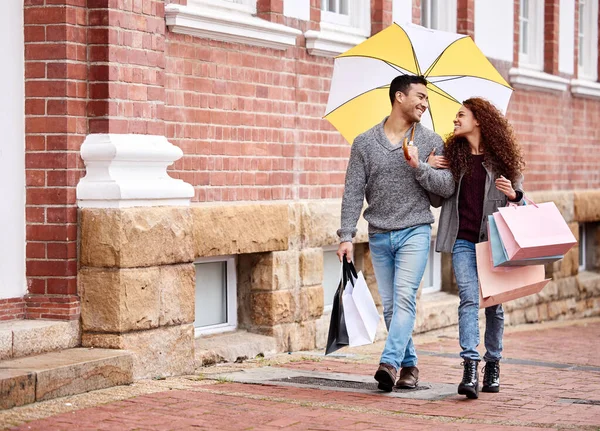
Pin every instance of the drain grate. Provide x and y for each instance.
(579, 401)
(347, 384)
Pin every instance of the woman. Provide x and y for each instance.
(486, 162)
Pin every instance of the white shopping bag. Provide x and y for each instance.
(360, 313)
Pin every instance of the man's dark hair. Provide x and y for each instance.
(402, 83)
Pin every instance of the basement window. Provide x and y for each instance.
(589, 243)
(216, 295)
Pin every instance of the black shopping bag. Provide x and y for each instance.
(338, 335)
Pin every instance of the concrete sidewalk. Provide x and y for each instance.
(550, 380)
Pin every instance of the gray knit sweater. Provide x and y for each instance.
(396, 193)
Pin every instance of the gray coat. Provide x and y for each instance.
(493, 199)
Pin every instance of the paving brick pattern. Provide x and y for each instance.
(536, 396)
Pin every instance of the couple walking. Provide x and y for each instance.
(477, 171)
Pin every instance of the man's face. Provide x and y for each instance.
(414, 104)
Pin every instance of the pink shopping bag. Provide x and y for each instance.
(533, 231)
(502, 284)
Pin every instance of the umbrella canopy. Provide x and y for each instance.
(453, 65)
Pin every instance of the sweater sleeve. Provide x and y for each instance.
(436, 181)
(518, 187)
(354, 194)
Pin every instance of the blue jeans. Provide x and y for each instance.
(399, 258)
(465, 271)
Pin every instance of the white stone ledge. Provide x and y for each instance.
(583, 88)
(537, 80)
(130, 170)
(332, 40)
(228, 24)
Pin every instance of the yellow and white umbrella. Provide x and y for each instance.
(453, 65)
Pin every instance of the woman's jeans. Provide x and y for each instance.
(399, 258)
(465, 271)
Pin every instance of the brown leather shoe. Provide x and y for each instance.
(386, 376)
(409, 378)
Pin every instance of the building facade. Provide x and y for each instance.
(168, 174)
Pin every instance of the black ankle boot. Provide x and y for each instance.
(470, 381)
(491, 377)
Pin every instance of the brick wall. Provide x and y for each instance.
(55, 126)
(248, 119)
(465, 17)
(13, 308)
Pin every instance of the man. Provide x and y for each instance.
(399, 216)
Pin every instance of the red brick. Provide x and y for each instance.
(35, 214)
(35, 178)
(51, 196)
(40, 268)
(47, 233)
(36, 250)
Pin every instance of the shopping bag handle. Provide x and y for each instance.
(526, 199)
(349, 267)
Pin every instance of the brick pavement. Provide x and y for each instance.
(547, 368)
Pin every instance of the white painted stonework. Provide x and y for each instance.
(12, 153)
(402, 11)
(299, 9)
(584, 88)
(494, 28)
(228, 22)
(130, 170)
(338, 33)
(535, 80)
(332, 40)
(566, 39)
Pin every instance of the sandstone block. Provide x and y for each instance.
(532, 314)
(35, 337)
(587, 205)
(311, 266)
(320, 221)
(272, 308)
(177, 290)
(589, 284)
(295, 337)
(85, 371)
(322, 330)
(72, 371)
(220, 229)
(17, 388)
(549, 292)
(166, 351)
(122, 300)
(275, 271)
(311, 303)
(542, 312)
(564, 201)
(6, 340)
(134, 237)
(568, 288)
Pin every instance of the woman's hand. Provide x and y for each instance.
(437, 162)
(505, 186)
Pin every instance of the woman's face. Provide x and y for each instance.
(464, 123)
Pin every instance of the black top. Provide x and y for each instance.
(470, 200)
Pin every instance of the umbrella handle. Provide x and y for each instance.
(405, 143)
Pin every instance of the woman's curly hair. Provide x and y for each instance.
(500, 148)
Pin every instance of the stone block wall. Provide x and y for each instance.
(136, 283)
(137, 277)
